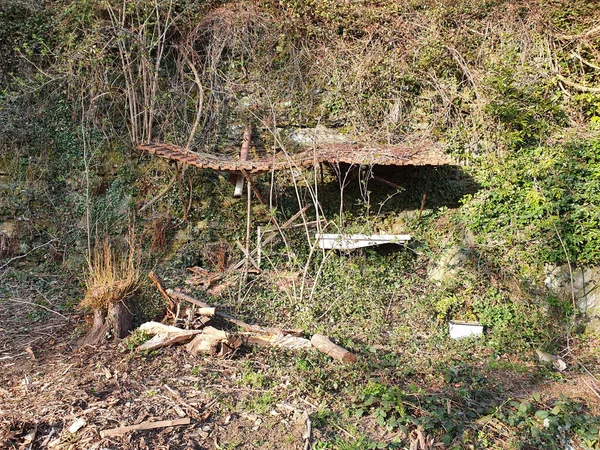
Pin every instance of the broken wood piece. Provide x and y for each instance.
(207, 342)
(144, 426)
(159, 328)
(166, 339)
(210, 311)
(324, 344)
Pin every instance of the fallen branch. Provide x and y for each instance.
(39, 306)
(27, 254)
(579, 87)
(181, 296)
(586, 34)
(240, 323)
(144, 426)
(158, 282)
(159, 196)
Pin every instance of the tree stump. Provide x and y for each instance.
(114, 322)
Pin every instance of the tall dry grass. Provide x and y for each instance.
(112, 276)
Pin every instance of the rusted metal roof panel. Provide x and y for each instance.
(423, 153)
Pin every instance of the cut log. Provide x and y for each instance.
(144, 426)
(210, 311)
(166, 339)
(287, 341)
(324, 344)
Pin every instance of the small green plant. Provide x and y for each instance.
(534, 424)
(262, 403)
(135, 339)
(151, 393)
(253, 379)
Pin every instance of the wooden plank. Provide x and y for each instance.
(119, 431)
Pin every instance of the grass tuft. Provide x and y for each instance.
(111, 277)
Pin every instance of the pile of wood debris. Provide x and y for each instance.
(201, 337)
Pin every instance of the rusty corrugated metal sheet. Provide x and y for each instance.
(423, 153)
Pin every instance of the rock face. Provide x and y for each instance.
(586, 289)
(449, 264)
(319, 135)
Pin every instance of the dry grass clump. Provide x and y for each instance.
(111, 277)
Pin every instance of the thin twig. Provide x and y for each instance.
(24, 302)
(26, 254)
(308, 432)
(160, 195)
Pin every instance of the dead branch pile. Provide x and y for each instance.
(201, 337)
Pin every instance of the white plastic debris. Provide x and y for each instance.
(75, 426)
(354, 241)
(459, 330)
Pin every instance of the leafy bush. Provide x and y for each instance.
(540, 201)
